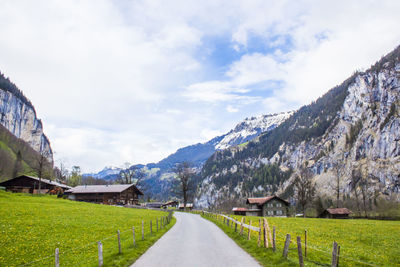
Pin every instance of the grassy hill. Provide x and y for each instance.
(32, 227)
(362, 242)
(10, 146)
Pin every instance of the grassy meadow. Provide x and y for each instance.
(32, 227)
(362, 242)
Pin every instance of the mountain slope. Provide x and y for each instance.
(353, 127)
(21, 133)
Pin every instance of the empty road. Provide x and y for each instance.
(194, 241)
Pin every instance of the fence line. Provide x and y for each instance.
(216, 216)
(167, 221)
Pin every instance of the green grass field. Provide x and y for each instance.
(32, 227)
(362, 242)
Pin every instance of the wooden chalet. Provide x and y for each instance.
(338, 213)
(264, 206)
(172, 204)
(121, 194)
(30, 184)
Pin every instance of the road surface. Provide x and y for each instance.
(194, 241)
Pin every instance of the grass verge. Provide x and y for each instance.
(32, 227)
(362, 242)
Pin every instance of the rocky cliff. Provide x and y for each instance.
(18, 116)
(354, 127)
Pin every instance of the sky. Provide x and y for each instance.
(118, 81)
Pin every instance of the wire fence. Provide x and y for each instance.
(88, 253)
(317, 255)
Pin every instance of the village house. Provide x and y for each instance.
(189, 206)
(121, 194)
(30, 184)
(338, 213)
(170, 204)
(264, 206)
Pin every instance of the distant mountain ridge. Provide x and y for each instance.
(197, 154)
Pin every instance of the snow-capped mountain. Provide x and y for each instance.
(107, 172)
(251, 128)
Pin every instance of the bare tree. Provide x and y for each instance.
(185, 174)
(338, 169)
(131, 174)
(305, 188)
(42, 166)
(355, 179)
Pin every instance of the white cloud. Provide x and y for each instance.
(231, 109)
(118, 81)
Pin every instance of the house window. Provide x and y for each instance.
(278, 205)
(278, 212)
(270, 212)
(270, 205)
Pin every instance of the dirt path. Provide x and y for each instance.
(194, 241)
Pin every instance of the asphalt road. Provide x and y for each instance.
(194, 241)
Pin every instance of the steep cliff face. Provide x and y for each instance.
(354, 127)
(19, 117)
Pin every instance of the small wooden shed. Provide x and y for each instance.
(30, 184)
(337, 213)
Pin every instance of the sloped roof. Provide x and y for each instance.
(239, 209)
(93, 189)
(46, 181)
(339, 211)
(263, 200)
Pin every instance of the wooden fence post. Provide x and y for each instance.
(241, 227)
(236, 227)
(300, 252)
(334, 254)
(269, 231)
(259, 233)
(305, 243)
(57, 259)
(151, 227)
(286, 248)
(338, 254)
(157, 223)
(119, 242)
(274, 239)
(100, 249)
(142, 230)
(248, 234)
(224, 220)
(265, 233)
(133, 235)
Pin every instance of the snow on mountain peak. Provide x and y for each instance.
(251, 128)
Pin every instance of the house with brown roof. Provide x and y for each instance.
(30, 184)
(264, 206)
(338, 213)
(119, 194)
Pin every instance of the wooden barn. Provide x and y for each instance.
(121, 194)
(30, 184)
(338, 213)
